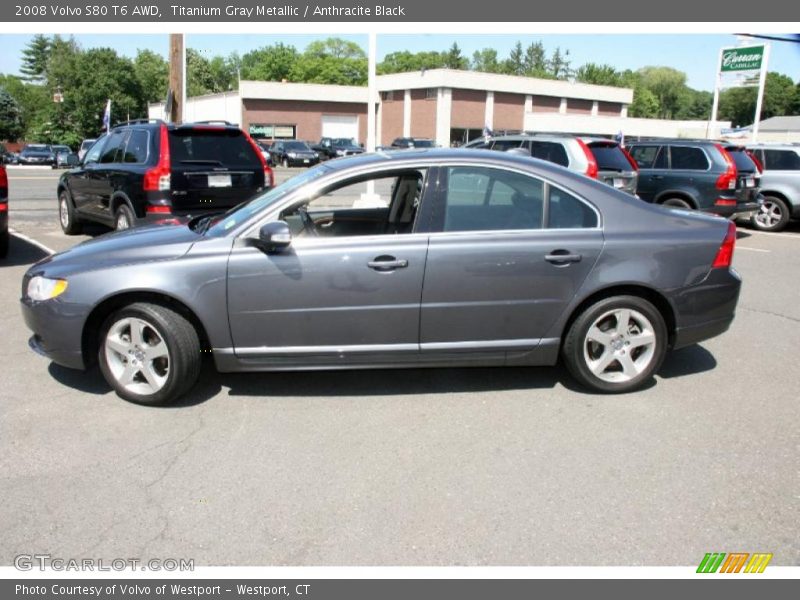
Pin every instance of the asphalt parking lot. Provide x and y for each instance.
(420, 467)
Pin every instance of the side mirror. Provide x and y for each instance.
(275, 236)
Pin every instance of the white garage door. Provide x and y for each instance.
(338, 126)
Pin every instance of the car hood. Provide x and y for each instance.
(36, 153)
(141, 244)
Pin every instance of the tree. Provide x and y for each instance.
(599, 75)
(486, 61)
(332, 61)
(739, 104)
(453, 58)
(199, 79)
(666, 85)
(515, 63)
(34, 59)
(10, 117)
(152, 71)
(535, 62)
(645, 104)
(406, 62)
(270, 63)
(559, 65)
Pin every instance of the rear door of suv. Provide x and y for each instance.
(748, 176)
(614, 167)
(212, 167)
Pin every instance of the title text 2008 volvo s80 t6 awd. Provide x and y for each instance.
(420, 258)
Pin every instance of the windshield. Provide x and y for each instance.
(241, 213)
(424, 144)
(297, 146)
(37, 148)
(345, 142)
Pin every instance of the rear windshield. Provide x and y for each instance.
(223, 148)
(550, 151)
(742, 160)
(423, 144)
(610, 157)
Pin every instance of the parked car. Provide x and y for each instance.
(292, 153)
(85, 145)
(144, 171)
(64, 157)
(599, 158)
(337, 147)
(407, 143)
(475, 258)
(697, 174)
(3, 212)
(36, 154)
(264, 147)
(11, 158)
(780, 185)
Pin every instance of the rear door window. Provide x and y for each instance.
(112, 152)
(224, 147)
(610, 157)
(550, 151)
(565, 211)
(781, 160)
(689, 158)
(645, 156)
(137, 148)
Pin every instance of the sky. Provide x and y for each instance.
(694, 54)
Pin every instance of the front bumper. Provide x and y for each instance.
(57, 331)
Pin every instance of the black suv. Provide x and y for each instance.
(714, 177)
(149, 170)
(409, 143)
(291, 153)
(337, 147)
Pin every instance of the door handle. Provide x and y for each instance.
(656, 177)
(562, 257)
(387, 263)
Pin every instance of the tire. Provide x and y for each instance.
(149, 354)
(4, 237)
(123, 217)
(677, 203)
(773, 216)
(605, 356)
(67, 215)
(285, 163)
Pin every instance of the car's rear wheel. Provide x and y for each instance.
(616, 344)
(677, 203)
(67, 215)
(773, 216)
(149, 353)
(123, 218)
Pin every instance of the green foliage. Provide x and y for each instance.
(739, 104)
(10, 117)
(34, 59)
(486, 61)
(270, 63)
(332, 61)
(666, 84)
(599, 75)
(152, 71)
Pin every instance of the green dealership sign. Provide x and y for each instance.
(742, 59)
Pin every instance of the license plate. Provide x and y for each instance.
(219, 181)
(618, 183)
(305, 160)
(750, 182)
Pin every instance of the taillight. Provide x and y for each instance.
(158, 178)
(724, 202)
(591, 168)
(158, 209)
(269, 177)
(634, 164)
(724, 256)
(756, 162)
(3, 178)
(727, 181)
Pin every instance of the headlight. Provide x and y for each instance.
(340, 153)
(42, 288)
(316, 154)
(292, 154)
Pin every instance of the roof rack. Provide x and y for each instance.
(212, 122)
(138, 122)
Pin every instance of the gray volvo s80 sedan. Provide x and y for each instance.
(410, 259)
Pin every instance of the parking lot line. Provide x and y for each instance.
(30, 240)
(791, 236)
(753, 249)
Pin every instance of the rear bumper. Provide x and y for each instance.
(741, 209)
(706, 310)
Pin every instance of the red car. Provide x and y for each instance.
(3, 212)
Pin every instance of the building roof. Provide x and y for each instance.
(313, 92)
(780, 124)
(515, 84)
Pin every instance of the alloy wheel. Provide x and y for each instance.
(137, 356)
(619, 345)
(770, 214)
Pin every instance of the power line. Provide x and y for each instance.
(794, 40)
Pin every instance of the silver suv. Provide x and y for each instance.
(596, 157)
(780, 185)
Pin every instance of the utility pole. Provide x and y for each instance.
(177, 79)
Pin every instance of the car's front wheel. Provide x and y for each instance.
(67, 215)
(149, 353)
(124, 218)
(773, 216)
(616, 344)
